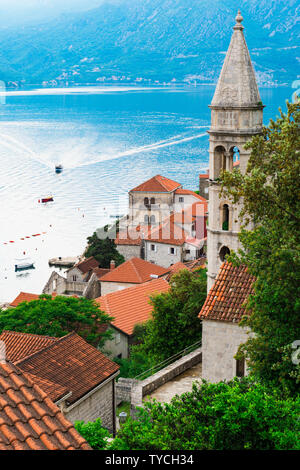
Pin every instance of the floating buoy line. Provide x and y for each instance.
(24, 238)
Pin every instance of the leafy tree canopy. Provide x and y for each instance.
(94, 433)
(270, 191)
(58, 317)
(225, 416)
(103, 249)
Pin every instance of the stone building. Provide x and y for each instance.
(221, 314)
(82, 280)
(131, 273)
(77, 377)
(128, 307)
(236, 116)
(181, 237)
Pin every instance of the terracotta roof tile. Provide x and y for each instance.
(24, 297)
(19, 345)
(100, 272)
(131, 306)
(86, 265)
(134, 271)
(226, 298)
(132, 235)
(191, 193)
(71, 363)
(28, 419)
(158, 184)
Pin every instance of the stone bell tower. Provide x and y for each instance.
(236, 115)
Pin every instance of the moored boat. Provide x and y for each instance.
(22, 264)
(44, 200)
(59, 168)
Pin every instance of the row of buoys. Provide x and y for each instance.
(24, 238)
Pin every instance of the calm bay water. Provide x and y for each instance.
(108, 140)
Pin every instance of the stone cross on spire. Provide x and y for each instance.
(237, 85)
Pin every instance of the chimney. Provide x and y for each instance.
(112, 264)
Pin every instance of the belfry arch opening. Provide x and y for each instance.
(224, 252)
(225, 217)
(219, 160)
(234, 155)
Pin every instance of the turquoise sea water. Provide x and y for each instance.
(108, 140)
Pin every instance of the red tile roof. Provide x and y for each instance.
(86, 265)
(132, 235)
(158, 184)
(100, 272)
(134, 271)
(24, 297)
(29, 420)
(71, 363)
(168, 232)
(226, 298)
(131, 306)
(19, 345)
(189, 192)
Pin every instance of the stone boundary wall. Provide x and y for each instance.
(147, 386)
(123, 389)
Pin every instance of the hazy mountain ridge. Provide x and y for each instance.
(153, 39)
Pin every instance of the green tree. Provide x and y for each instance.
(225, 416)
(94, 433)
(58, 317)
(175, 324)
(270, 191)
(103, 248)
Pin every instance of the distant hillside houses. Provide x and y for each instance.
(166, 223)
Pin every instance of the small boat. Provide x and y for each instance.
(44, 200)
(22, 264)
(58, 168)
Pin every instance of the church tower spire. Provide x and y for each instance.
(236, 115)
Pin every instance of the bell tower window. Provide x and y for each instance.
(225, 217)
(224, 252)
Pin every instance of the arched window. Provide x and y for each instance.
(219, 161)
(152, 201)
(224, 252)
(225, 217)
(152, 219)
(146, 201)
(146, 219)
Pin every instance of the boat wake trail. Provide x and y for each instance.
(176, 140)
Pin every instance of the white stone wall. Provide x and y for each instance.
(74, 272)
(97, 405)
(129, 251)
(164, 205)
(162, 255)
(220, 342)
(108, 287)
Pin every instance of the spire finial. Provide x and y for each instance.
(238, 20)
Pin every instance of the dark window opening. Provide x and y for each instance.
(240, 367)
(224, 252)
(146, 201)
(152, 219)
(152, 201)
(225, 217)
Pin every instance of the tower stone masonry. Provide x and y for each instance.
(236, 115)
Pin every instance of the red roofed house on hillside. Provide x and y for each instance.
(181, 237)
(131, 273)
(129, 307)
(29, 420)
(74, 375)
(220, 315)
